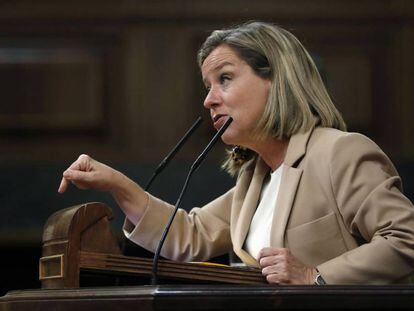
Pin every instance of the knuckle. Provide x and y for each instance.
(74, 175)
(267, 270)
(84, 156)
(272, 278)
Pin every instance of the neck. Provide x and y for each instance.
(272, 151)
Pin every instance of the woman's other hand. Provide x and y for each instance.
(279, 266)
(87, 173)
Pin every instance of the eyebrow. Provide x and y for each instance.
(218, 67)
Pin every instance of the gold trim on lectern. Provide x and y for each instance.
(51, 267)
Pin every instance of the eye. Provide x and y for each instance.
(208, 88)
(224, 77)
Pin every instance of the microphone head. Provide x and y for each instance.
(224, 126)
(220, 132)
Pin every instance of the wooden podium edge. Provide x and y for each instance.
(110, 263)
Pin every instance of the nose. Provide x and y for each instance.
(212, 99)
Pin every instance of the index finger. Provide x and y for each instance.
(79, 164)
(63, 185)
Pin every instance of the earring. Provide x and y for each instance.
(240, 155)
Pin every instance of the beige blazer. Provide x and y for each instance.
(339, 208)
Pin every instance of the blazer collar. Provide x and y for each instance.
(245, 208)
(297, 148)
(290, 181)
(289, 184)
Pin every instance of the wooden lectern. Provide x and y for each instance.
(78, 245)
(78, 241)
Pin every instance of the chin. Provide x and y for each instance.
(230, 139)
(227, 139)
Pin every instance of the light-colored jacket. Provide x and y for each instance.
(339, 208)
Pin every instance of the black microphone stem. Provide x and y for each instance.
(194, 167)
(173, 152)
(162, 166)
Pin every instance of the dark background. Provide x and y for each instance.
(118, 80)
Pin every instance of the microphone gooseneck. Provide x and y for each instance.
(173, 152)
(161, 167)
(194, 167)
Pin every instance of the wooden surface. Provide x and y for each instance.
(111, 263)
(67, 232)
(77, 230)
(79, 241)
(213, 297)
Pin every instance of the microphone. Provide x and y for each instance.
(194, 167)
(173, 152)
(126, 247)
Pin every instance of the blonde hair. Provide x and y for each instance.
(297, 96)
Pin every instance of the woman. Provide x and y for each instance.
(312, 203)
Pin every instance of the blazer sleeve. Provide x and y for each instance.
(199, 235)
(369, 198)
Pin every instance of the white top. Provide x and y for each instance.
(259, 232)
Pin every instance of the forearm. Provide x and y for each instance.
(197, 236)
(377, 262)
(130, 197)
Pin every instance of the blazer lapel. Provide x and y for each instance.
(288, 186)
(287, 191)
(243, 212)
(247, 211)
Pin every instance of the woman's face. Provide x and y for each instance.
(234, 90)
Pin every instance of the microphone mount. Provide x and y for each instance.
(194, 167)
(161, 167)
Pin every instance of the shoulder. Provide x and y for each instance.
(336, 138)
(350, 152)
(329, 140)
(344, 150)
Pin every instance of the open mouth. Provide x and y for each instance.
(219, 120)
(217, 117)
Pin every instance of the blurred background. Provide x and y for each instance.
(118, 80)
